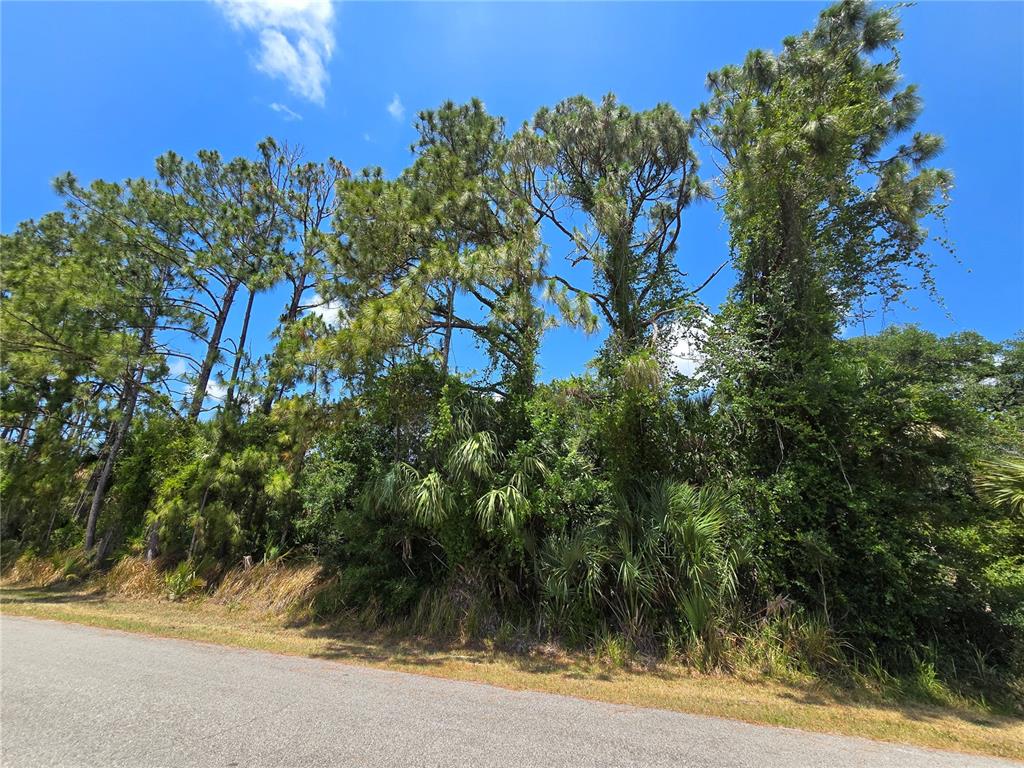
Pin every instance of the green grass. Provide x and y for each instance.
(803, 703)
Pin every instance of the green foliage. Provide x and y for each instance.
(1001, 482)
(71, 565)
(183, 581)
(614, 182)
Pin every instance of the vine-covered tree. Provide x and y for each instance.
(827, 196)
(826, 209)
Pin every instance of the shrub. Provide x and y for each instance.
(183, 581)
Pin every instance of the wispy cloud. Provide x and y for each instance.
(216, 390)
(178, 367)
(285, 112)
(328, 311)
(396, 109)
(296, 40)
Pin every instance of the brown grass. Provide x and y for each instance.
(799, 703)
(31, 571)
(279, 589)
(134, 579)
(274, 588)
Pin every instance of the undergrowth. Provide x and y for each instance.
(788, 646)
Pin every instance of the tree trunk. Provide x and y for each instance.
(199, 521)
(212, 352)
(622, 295)
(240, 351)
(153, 545)
(23, 434)
(120, 432)
(446, 348)
(274, 391)
(80, 505)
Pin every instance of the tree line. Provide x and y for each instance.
(860, 497)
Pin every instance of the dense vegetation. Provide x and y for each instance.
(853, 500)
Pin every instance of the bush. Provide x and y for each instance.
(183, 581)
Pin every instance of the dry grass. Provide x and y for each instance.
(800, 704)
(134, 579)
(272, 588)
(278, 589)
(32, 571)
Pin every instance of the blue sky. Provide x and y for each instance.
(101, 89)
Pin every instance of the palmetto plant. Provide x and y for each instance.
(572, 578)
(472, 457)
(1001, 483)
(462, 471)
(676, 559)
(456, 515)
(506, 506)
(431, 499)
(183, 581)
(463, 495)
(659, 561)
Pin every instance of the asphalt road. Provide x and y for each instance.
(78, 696)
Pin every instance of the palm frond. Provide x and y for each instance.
(431, 499)
(1001, 483)
(502, 506)
(391, 490)
(473, 457)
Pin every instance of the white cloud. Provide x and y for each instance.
(396, 109)
(686, 353)
(178, 368)
(296, 40)
(216, 389)
(328, 311)
(284, 111)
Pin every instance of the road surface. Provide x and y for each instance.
(78, 696)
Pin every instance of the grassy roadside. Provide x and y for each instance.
(805, 705)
